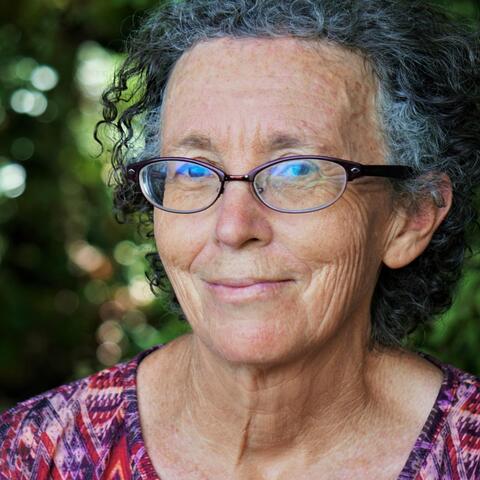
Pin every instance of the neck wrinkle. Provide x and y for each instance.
(303, 406)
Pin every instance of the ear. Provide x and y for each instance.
(411, 231)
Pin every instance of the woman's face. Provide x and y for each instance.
(256, 285)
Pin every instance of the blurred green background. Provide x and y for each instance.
(73, 294)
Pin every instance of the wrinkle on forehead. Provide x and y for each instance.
(339, 81)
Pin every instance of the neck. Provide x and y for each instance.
(308, 405)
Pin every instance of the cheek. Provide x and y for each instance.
(179, 238)
(338, 234)
(343, 253)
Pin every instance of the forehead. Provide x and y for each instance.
(228, 88)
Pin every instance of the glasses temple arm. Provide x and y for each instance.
(391, 171)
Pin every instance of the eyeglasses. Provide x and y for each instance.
(297, 184)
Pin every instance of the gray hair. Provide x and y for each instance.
(427, 67)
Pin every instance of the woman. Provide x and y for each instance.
(308, 168)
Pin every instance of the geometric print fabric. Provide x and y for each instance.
(90, 430)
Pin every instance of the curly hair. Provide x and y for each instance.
(428, 70)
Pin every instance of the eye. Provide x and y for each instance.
(192, 170)
(294, 169)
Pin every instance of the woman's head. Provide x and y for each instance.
(413, 97)
(257, 284)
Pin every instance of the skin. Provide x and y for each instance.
(276, 378)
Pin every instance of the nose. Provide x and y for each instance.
(241, 219)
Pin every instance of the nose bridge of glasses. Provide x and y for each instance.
(238, 178)
(234, 178)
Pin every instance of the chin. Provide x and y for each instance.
(252, 343)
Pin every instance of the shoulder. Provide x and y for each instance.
(464, 414)
(455, 426)
(74, 422)
(460, 398)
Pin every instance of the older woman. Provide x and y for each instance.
(310, 166)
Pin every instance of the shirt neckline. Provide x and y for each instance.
(140, 460)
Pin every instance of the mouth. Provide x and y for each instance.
(240, 290)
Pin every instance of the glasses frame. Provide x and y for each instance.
(353, 171)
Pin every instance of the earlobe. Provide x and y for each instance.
(411, 231)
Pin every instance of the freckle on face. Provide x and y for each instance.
(236, 92)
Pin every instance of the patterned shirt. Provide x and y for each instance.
(90, 429)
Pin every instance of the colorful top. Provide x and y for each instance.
(90, 429)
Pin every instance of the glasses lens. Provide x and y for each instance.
(179, 186)
(301, 185)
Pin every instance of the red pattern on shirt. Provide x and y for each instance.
(90, 429)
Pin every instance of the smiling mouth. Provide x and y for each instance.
(246, 289)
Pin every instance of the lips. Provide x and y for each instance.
(243, 282)
(239, 290)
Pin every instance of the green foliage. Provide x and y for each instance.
(73, 293)
(73, 297)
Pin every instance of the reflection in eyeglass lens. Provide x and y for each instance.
(301, 184)
(189, 186)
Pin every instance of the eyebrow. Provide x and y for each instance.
(281, 141)
(275, 141)
(196, 140)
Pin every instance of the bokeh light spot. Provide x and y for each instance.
(26, 101)
(110, 310)
(12, 180)
(96, 291)
(95, 68)
(44, 78)
(24, 68)
(22, 100)
(125, 253)
(110, 331)
(89, 259)
(109, 353)
(133, 318)
(39, 106)
(140, 292)
(145, 335)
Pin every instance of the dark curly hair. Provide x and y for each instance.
(428, 71)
